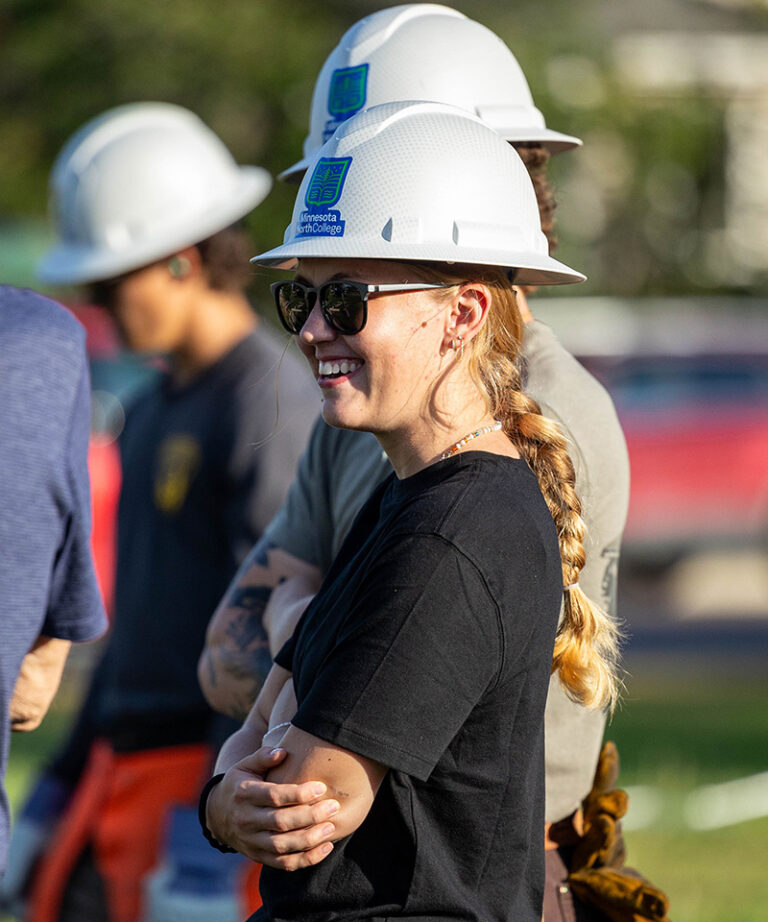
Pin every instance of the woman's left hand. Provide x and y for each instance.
(284, 826)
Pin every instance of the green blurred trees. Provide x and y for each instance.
(636, 204)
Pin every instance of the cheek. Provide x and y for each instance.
(306, 350)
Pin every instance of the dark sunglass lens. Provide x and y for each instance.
(292, 301)
(344, 306)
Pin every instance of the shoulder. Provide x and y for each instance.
(43, 364)
(575, 399)
(267, 373)
(476, 502)
(554, 373)
(46, 327)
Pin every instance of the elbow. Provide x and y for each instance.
(206, 677)
(214, 691)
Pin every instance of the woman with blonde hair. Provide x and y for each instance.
(413, 688)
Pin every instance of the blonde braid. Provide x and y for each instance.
(587, 641)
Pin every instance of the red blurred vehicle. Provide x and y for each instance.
(697, 433)
(689, 378)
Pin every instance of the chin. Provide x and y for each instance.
(336, 417)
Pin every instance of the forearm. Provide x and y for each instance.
(350, 779)
(232, 669)
(37, 682)
(242, 743)
(248, 738)
(249, 624)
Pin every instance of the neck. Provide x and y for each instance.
(424, 443)
(218, 322)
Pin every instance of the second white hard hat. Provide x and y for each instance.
(425, 51)
(419, 182)
(136, 184)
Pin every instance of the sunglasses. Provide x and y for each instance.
(344, 305)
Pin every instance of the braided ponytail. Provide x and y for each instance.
(587, 641)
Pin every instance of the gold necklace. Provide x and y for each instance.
(457, 446)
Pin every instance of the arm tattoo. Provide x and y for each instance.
(247, 658)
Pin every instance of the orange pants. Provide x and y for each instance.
(119, 809)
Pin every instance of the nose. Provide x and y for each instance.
(316, 328)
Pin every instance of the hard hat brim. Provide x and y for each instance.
(79, 264)
(532, 268)
(555, 141)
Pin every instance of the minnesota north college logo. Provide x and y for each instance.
(324, 190)
(346, 96)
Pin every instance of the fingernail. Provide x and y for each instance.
(318, 789)
(277, 752)
(327, 830)
(326, 848)
(331, 807)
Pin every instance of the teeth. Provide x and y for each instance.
(335, 368)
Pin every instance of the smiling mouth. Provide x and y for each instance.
(331, 370)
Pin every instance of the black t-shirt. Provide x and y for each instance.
(429, 649)
(205, 467)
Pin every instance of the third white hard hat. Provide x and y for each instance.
(425, 51)
(419, 182)
(137, 183)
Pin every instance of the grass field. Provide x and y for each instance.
(673, 736)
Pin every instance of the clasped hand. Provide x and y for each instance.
(284, 826)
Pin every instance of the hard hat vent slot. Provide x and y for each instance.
(404, 230)
(474, 234)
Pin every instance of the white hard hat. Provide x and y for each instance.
(424, 51)
(419, 181)
(136, 184)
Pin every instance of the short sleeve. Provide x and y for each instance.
(304, 524)
(414, 655)
(263, 439)
(75, 610)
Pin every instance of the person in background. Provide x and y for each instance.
(401, 53)
(49, 597)
(146, 199)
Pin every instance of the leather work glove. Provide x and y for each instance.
(622, 894)
(194, 882)
(31, 835)
(598, 877)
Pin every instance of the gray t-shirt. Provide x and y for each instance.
(340, 468)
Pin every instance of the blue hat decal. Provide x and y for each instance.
(323, 191)
(346, 95)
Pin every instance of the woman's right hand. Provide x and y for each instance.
(284, 826)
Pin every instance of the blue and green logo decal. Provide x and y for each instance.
(346, 95)
(323, 191)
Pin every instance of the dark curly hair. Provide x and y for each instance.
(535, 157)
(225, 258)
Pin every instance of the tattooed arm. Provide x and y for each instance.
(253, 620)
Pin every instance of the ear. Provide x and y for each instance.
(469, 312)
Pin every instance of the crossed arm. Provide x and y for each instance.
(275, 806)
(253, 620)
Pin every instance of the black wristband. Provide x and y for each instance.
(210, 784)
